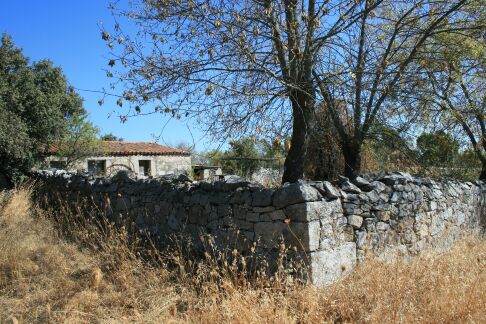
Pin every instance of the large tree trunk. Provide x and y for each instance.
(302, 106)
(482, 176)
(352, 159)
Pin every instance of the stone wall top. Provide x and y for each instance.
(371, 186)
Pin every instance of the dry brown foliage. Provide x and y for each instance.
(48, 277)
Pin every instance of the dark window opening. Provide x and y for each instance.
(97, 167)
(144, 167)
(57, 165)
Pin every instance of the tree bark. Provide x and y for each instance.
(352, 159)
(302, 105)
(482, 176)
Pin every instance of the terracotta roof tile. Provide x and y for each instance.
(135, 148)
(132, 148)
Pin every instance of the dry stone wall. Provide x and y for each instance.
(333, 226)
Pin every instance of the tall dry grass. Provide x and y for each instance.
(50, 272)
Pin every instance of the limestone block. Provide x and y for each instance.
(195, 213)
(378, 186)
(396, 197)
(273, 215)
(219, 198)
(404, 212)
(269, 233)
(305, 235)
(350, 197)
(252, 217)
(460, 218)
(241, 197)
(243, 225)
(327, 266)
(224, 210)
(327, 231)
(327, 243)
(380, 207)
(265, 217)
(341, 221)
(385, 196)
(418, 246)
(309, 211)
(411, 196)
(373, 196)
(370, 226)
(348, 233)
(355, 221)
(421, 229)
(363, 184)
(347, 186)
(263, 209)
(397, 177)
(398, 187)
(419, 196)
(381, 226)
(351, 205)
(361, 239)
(326, 189)
(295, 193)
(409, 236)
(447, 214)
(437, 225)
(382, 215)
(355, 211)
(233, 182)
(302, 235)
(173, 221)
(262, 197)
(212, 214)
(203, 219)
(239, 212)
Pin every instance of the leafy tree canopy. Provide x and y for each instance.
(110, 137)
(437, 149)
(35, 105)
(245, 156)
(79, 141)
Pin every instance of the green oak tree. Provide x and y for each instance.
(437, 149)
(241, 157)
(35, 105)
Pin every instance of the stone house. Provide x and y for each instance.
(140, 158)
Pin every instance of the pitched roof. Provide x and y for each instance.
(132, 148)
(137, 148)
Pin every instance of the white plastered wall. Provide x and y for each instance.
(159, 164)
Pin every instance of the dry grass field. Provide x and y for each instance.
(54, 273)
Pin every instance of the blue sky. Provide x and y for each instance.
(68, 33)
